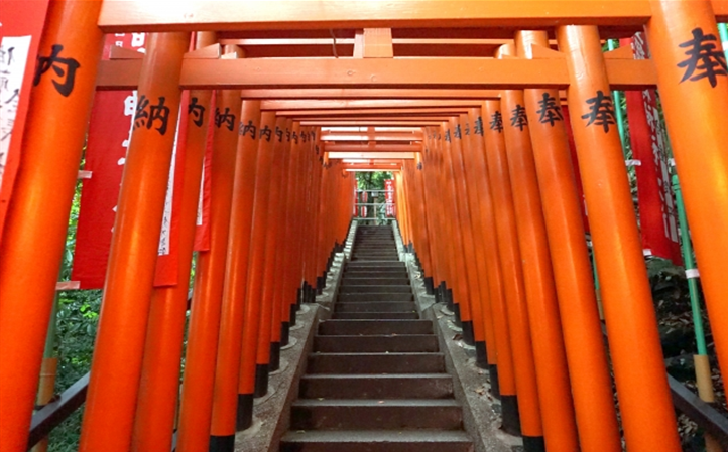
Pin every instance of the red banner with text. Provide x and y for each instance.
(657, 210)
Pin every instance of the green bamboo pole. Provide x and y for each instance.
(617, 97)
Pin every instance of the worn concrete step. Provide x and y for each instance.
(374, 259)
(376, 343)
(375, 315)
(376, 414)
(375, 363)
(375, 306)
(375, 327)
(376, 441)
(383, 295)
(373, 255)
(386, 289)
(376, 386)
(351, 281)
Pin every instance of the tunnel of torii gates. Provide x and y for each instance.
(462, 101)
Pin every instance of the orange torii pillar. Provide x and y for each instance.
(276, 219)
(692, 79)
(37, 218)
(414, 175)
(256, 261)
(473, 144)
(196, 410)
(434, 221)
(427, 225)
(159, 387)
(286, 290)
(467, 211)
(500, 359)
(314, 190)
(528, 408)
(590, 377)
(434, 163)
(116, 368)
(648, 415)
(307, 291)
(549, 354)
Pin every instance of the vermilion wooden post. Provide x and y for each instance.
(199, 378)
(473, 301)
(112, 394)
(473, 175)
(552, 372)
(500, 361)
(590, 377)
(648, 417)
(275, 276)
(228, 114)
(510, 263)
(159, 386)
(272, 227)
(691, 78)
(422, 214)
(37, 219)
(429, 177)
(427, 207)
(256, 266)
(288, 246)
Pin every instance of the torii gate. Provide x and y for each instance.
(686, 67)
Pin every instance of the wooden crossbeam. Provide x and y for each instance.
(371, 147)
(346, 93)
(379, 122)
(364, 104)
(372, 155)
(374, 112)
(371, 136)
(410, 73)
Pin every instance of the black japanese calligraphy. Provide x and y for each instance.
(518, 117)
(601, 111)
(496, 122)
(705, 59)
(147, 114)
(279, 134)
(549, 110)
(64, 68)
(225, 118)
(244, 129)
(265, 132)
(196, 111)
(479, 126)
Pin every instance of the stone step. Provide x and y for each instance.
(376, 296)
(375, 315)
(376, 441)
(381, 289)
(375, 327)
(374, 273)
(376, 414)
(380, 264)
(375, 306)
(351, 281)
(376, 363)
(376, 386)
(376, 343)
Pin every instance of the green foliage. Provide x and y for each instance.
(372, 180)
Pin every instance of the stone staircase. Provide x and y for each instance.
(376, 380)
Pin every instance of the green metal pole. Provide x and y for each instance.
(617, 97)
(690, 269)
(723, 29)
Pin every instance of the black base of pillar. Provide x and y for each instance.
(456, 310)
(481, 355)
(534, 444)
(292, 315)
(468, 334)
(222, 443)
(494, 385)
(300, 294)
(285, 333)
(430, 284)
(320, 284)
(244, 417)
(261, 380)
(311, 294)
(438, 294)
(511, 418)
(275, 356)
(448, 297)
